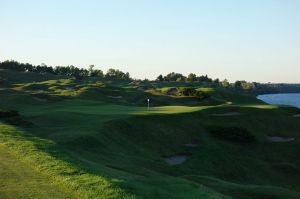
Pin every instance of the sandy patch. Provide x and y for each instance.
(69, 88)
(177, 159)
(40, 99)
(279, 139)
(173, 91)
(193, 144)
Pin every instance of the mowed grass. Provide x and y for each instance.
(95, 148)
(19, 181)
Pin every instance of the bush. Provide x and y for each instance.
(233, 134)
(8, 113)
(191, 92)
(18, 121)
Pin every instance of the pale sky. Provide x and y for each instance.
(256, 40)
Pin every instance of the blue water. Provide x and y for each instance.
(292, 99)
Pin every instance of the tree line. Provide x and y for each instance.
(79, 73)
(115, 74)
(240, 86)
(178, 77)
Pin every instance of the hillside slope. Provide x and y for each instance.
(19, 180)
(97, 139)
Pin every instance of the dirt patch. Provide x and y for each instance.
(297, 115)
(227, 114)
(279, 139)
(173, 91)
(177, 159)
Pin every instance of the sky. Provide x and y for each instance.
(257, 40)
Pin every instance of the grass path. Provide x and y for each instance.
(18, 180)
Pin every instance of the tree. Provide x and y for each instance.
(117, 75)
(248, 86)
(192, 77)
(203, 78)
(180, 79)
(238, 85)
(225, 83)
(159, 78)
(98, 73)
(171, 77)
(216, 81)
(91, 70)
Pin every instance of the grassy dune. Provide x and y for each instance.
(98, 140)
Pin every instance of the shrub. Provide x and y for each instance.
(192, 92)
(18, 121)
(8, 113)
(233, 134)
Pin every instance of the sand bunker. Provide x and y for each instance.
(177, 159)
(227, 114)
(279, 139)
(40, 99)
(42, 91)
(173, 91)
(193, 144)
(69, 88)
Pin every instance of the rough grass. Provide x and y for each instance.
(29, 149)
(19, 180)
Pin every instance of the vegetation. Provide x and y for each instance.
(94, 137)
(72, 71)
(234, 134)
(8, 113)
(115, 74)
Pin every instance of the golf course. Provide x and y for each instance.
(68, 137)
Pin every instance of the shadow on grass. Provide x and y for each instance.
(120, 167)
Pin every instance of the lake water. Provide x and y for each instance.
(292, 99)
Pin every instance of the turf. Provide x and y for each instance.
(19, 180)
